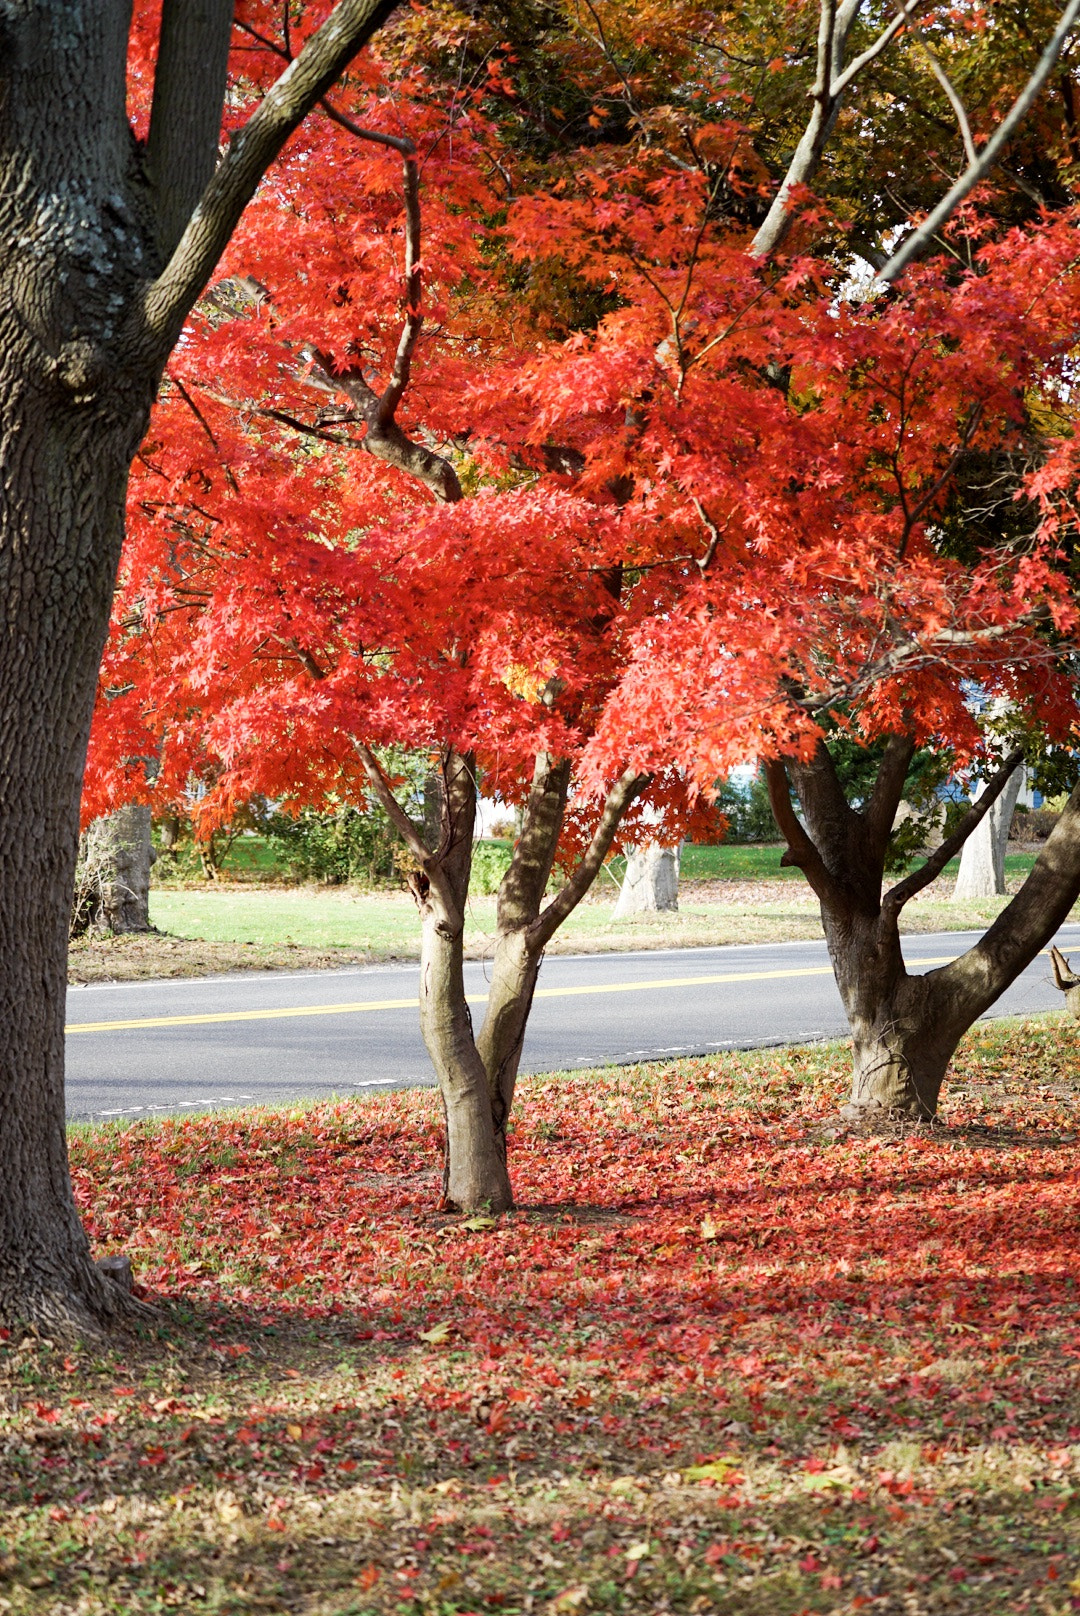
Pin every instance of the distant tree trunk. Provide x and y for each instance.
(651, 882)
(982, 863)
(118, 855)
(905, 1029)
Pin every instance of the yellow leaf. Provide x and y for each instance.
(637, 1551)
(295, 1431)
(481, 1222)
(437, 1333)
(709, 1229)
(716, 1470)
(571, 1598)
(227, 1506)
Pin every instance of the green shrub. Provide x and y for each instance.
(333, 848)
(491, 860)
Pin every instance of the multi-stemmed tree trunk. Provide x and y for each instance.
(105, 247)
(477, 1072)
(905, 1028)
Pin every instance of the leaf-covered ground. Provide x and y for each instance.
(723, 1359)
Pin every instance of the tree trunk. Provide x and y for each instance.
(118, 854)
(475, 1177)
(901, 1044)
(651, 882)
(982, 862)
(905, 1029)
(88, 315)
(514, 971)
(61, 522)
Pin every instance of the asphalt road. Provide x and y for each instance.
(136, 1048)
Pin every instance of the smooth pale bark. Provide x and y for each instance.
(651, 882)
(89, 310)
(982, 863)
(478, 1073)
(905, 1028)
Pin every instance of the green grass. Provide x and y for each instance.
(734, 863)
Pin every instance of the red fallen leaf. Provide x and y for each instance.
(810, 1563)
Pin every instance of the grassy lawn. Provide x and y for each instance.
(253, 926)
(253, 858)
(722, 1359)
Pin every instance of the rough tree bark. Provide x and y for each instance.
(651, 882)
(114, 871)
(982, 863)
(904, 1028)
(106, 249)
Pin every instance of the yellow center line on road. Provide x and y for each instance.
(474, 998)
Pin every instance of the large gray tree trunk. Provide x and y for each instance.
(982, 862)
(113, 884)
(651, 882)
(102, 253)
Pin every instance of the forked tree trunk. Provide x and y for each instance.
(901, 1039)
(905, 1029)
(478, 1074)
(88, 315)
(475, 1176)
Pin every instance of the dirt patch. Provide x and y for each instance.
(147, 955)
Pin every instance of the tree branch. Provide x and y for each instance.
(801, 852)
(921, 238)
(628, 786)
(250, 152)
(914, 883)
(888, 789)
(831, 80)
(185, 116)
(409, 833)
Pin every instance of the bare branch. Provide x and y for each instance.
(950, 92)
(830, 83)
(921, 238)
(628, 786)
(914, 883)
(801, 852)
(409, 833)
